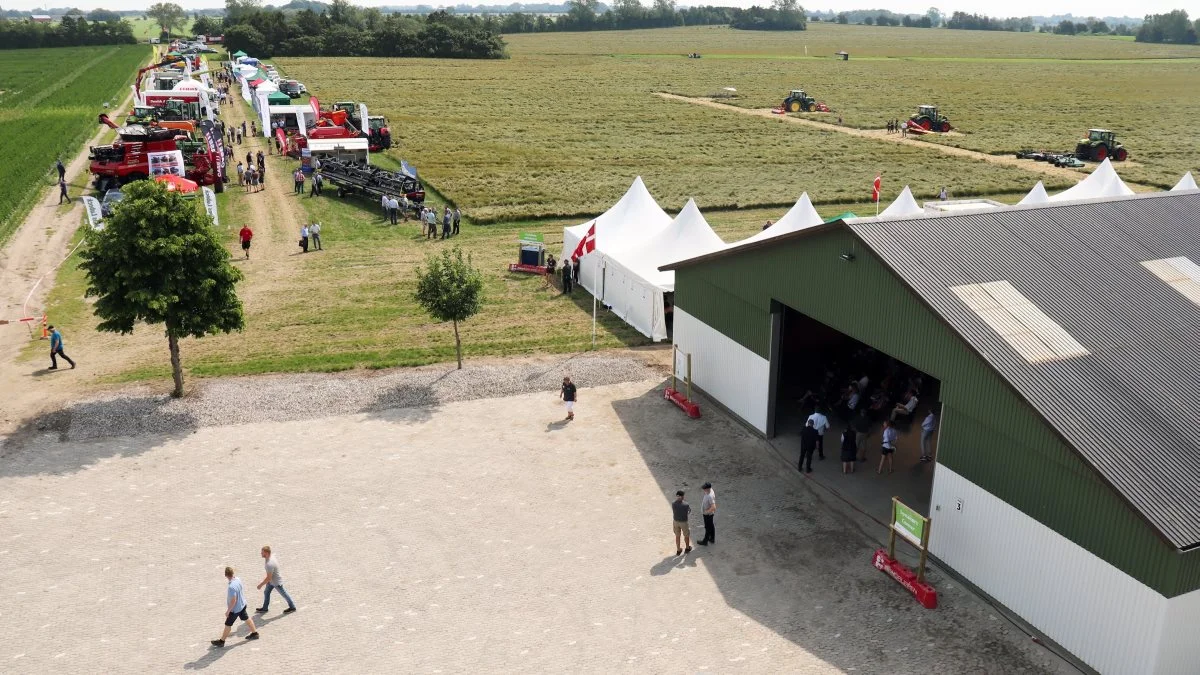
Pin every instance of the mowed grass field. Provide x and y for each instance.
(562, 126)
(146, 28)
(49, 100)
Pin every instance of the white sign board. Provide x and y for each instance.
(210, 204)
(168, 163)
(95, 215)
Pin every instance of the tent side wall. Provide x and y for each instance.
(636, 301)
(988, 434)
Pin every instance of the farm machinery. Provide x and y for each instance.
(799, 101)
(129, 157)
(1099, 145)
(929, 119)
(379, 136)
(351, 177)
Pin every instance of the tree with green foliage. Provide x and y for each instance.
(206, 25)
(168, 15)
(450, 289)
(100, 14)
(159, 261)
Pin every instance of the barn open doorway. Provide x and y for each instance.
(854, 384)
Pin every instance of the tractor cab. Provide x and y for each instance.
(1101, 135)
(929, 111)
(797, 93)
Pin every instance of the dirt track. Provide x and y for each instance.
(883, 136)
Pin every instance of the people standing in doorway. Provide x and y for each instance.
(928, 427)
(808, 444)
(708, 509)
(314, 233)
(304, 239)
(56, 349)
(235, 608)
(821, 424)
(457, 220)
(274, 582)
(889, 447)
(849, 449)
(245, 235)
(680, 510)
(569, 394)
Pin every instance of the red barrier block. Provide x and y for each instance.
(925, 594)
(677, 397)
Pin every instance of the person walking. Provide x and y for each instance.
(245, 235)
(928, 426)
(56, 349)
(569, 395)
(235, 608)
(446, 218)
(62, 190)
(457, 220)
(314, 233)
(889, 446)
(304, 239)
(849, 449)
(708, 508)
(250, 159)
(680, 510)
(243, 127)
(62, 170)
(943, 195)
(821, 424)
(403, 204)
(317, 180)
(274, 582)
(808, 444)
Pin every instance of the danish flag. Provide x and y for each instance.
(875, 189)
(587, 244)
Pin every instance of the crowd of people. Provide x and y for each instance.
(399, 207)
(865, 390)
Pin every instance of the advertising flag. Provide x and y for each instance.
(875, 189)
(95, 215)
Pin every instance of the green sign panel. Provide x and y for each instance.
(534, 237)
(909, 524)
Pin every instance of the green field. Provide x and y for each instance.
(562, 126)
(49, 99)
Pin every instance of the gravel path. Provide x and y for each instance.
(278, 398)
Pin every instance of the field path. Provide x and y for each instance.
(883, 136)
(38, 247)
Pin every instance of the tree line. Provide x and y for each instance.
(348, 30)
(589, 15)
(72, 31)
(1173, 27)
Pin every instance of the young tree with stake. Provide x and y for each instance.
(158, 261)
(449, 289)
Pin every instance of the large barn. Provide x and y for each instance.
(1060, 342)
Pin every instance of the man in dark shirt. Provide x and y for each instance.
(679, 512)
(808, 444)
(575, 272)
(62, 170)
(568, 397)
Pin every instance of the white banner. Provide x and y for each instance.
(95, 215)
(210, 204)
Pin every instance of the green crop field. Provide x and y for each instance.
(562, 126)
(49, 99)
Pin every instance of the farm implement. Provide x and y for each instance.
(799, 101)
(352, 178)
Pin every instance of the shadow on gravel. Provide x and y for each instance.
(795, 563)
(55, 442)
(405, 403)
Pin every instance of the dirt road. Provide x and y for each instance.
(883, 136)
(39, 246)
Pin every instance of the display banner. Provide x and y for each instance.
(168, 163)
(95, 215)
(214, 139)
(210, 204)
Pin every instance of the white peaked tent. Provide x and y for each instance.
(633, 284)
(1185, 183)
(801, 216)
(633, 219)
(1103, 182)
(1036, 196)
(904, 206)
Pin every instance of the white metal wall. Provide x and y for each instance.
(727, 371)
(1105, 617)
(1179, 646)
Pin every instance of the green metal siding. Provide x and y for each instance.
(989, 434)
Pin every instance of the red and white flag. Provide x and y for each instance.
(875, 189)
(587, 244)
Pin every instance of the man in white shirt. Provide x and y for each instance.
(387, 211)
(708, 507)
(821, 424)
(393, 209)
(274, 582)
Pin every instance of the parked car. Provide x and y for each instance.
(292, 88)
(111, 198)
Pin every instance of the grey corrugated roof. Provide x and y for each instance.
(1131, 406)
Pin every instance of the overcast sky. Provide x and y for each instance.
(1080, 8)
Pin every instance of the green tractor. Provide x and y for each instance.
(1099, 145)
(929, 119)
(798, 101)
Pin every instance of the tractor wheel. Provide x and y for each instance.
(794, 106)
(945, 127)
(1120, 155)
(1100, 153)
(925, 124)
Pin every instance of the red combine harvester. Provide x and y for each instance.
(128, 159)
